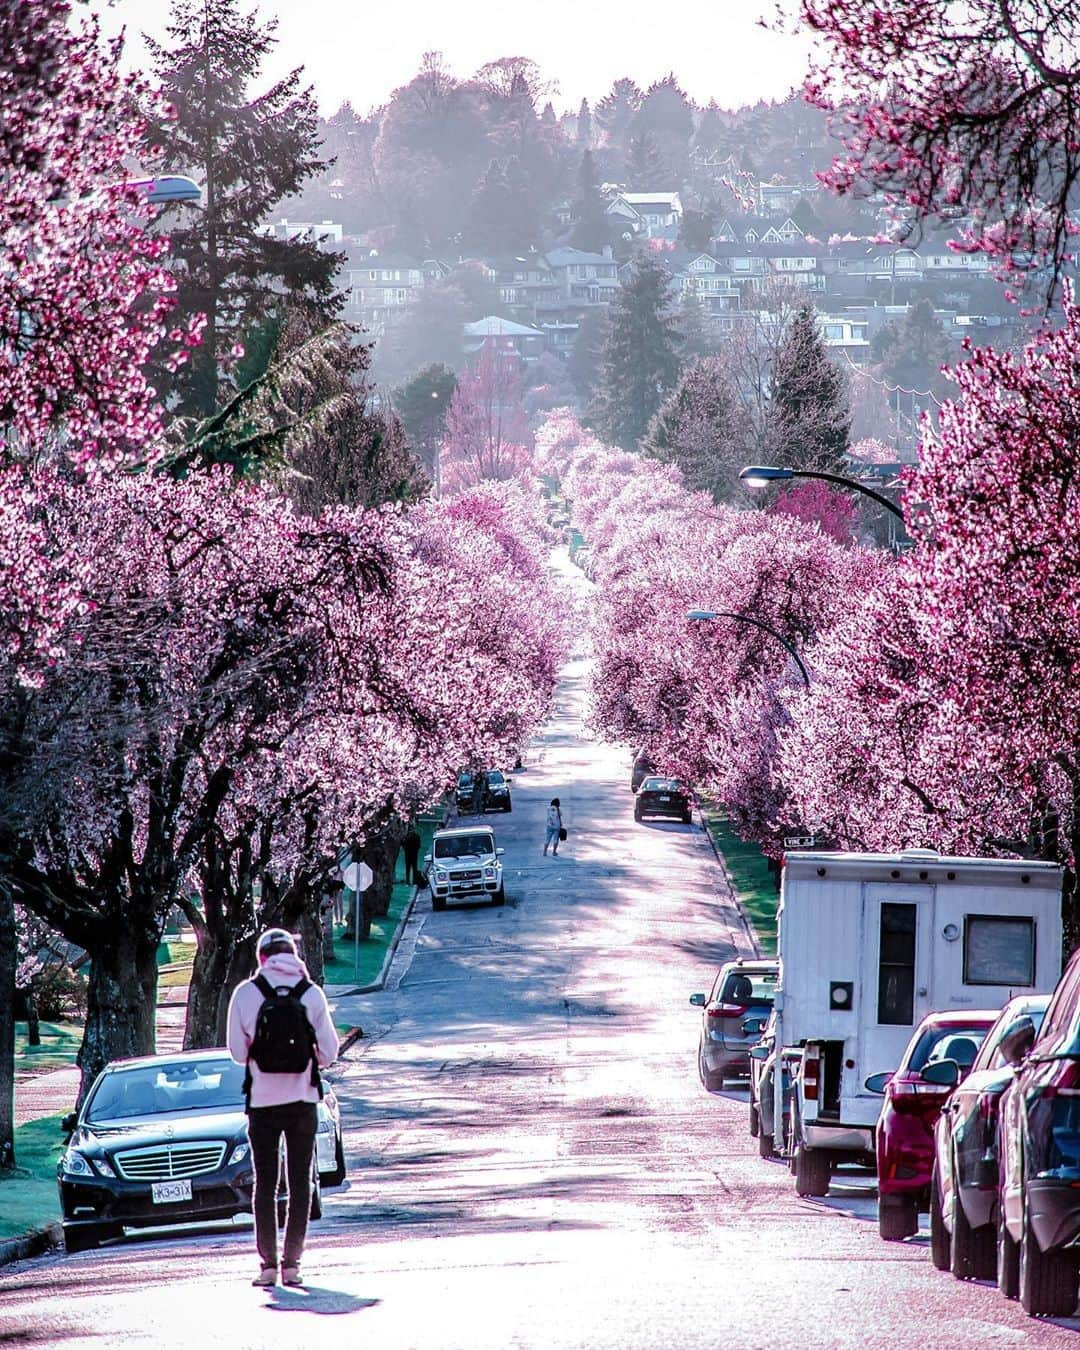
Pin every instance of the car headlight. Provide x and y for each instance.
(73, 1164)
(441, 878)
(489, 872)
(240, 1153)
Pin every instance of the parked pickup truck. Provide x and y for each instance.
(464, 863)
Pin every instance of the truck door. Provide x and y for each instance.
(896, 964)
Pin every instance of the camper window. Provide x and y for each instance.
(999, 949)
(896, 966)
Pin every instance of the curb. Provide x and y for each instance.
(748, 927)
(32, 1243)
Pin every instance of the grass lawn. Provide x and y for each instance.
(750, 875)
(59, 1045)
(31, 1201)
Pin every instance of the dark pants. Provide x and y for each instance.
(412, 868)
(266, 1125)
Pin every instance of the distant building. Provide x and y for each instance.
(656, 215)
(379, 286)
(328, 233)
(527, 342)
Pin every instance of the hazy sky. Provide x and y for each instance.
(363, 49)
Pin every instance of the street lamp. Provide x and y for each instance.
(704, 615)
(170, 187)
(761, 475)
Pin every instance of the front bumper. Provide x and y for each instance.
(1053, 1206)
(216, 1195)
(465, 888)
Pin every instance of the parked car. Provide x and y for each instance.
(497, 796)
(964, 1187)
(643, 766)
(733, 1015)
(664, 797)
(1039, 1151)
(762, 1093)
(464, 790)
(163, 1140)
(464, 863)
(941, 1051)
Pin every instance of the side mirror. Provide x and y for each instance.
(427, 857)
(877, 1083)
(697, 1000)
(752, 1027)
(499, 852)
(760, 1052)
(68, 1123)
(1017, 1041)
(943, 1073)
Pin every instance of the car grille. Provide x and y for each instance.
(162, 1162)
(465, 876)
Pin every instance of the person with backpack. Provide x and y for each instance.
(280, 1029)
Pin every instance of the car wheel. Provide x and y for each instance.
(637, 813)
(939, 1234)
(713, 1081)
(973, 1251)
(1008, 1258)
(337, 1176)
(499, 898)
(755, 1121)
(898, 1217)
(85, 1237)
(766, 1146)
(438, 902)
(506, 807)
(1047, 1279)
(813, 1171)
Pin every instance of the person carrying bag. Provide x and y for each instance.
(555, 829)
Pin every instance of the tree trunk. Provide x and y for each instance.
(380, 853)
(209, 975)
(241, 967)
(329, 904)
(33, 1024)
(7, 1029)
(121, 1002)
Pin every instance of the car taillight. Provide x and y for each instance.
(1066, 1081)
(726, 1010)
(811, 1065)
(904, 1087)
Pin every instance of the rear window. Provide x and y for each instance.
(661, 785)
(749, 987)
(956, 1042)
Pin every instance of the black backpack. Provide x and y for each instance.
(284, 1039)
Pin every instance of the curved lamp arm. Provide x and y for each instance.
(703, 615)
(758, 475)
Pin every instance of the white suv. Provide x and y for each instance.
(465, 862)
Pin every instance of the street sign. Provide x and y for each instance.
(800, 840)
(358, 876)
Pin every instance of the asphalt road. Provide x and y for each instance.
(532, 1159)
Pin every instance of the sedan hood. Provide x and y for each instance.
(168, 1128)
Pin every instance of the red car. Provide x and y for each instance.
(941, 1051)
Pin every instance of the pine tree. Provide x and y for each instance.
(698, 336)
(251, 151)
(809, 418)
(640, 360)
(590, 230)
(584, 125)
(700, 427)
(644, 163)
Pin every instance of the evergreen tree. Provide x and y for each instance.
(698, 335)
(700, 427)
(584, 133)
(252, 151)
(644, 163)
(590, 230)
(809, 419)
(640, 360)
(615, 114)
(422, 404)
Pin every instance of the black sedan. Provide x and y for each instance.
(497, 795)
(963, 1190)
(663, 797)
(158, 1141)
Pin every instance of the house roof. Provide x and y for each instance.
(567, 257)
(669, 199)
(493, 326)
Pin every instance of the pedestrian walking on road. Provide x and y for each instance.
(554, 827)
(280, 1029)
(411, 848)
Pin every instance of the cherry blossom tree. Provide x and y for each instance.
(487, 432)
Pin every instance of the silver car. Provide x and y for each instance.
(733, 1017)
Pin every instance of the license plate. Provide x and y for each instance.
(665, 799)
(169, 1192)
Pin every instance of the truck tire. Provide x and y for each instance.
(813, 1171)
(499, 898)
(940, 1252)
(438, 902)
(973, 1251)
(1008, 1258)
(765, 1145)
(755, 1121)
(1047, 1279)
(898, 1217)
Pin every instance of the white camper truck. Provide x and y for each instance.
(871, 943)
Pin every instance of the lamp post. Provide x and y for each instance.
(705, 615)
(761, 475)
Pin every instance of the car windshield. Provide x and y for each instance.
(464, 780)
(182, 1085)
(495, 778)
(960, 1043)
(464, 845)
(750, 986)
